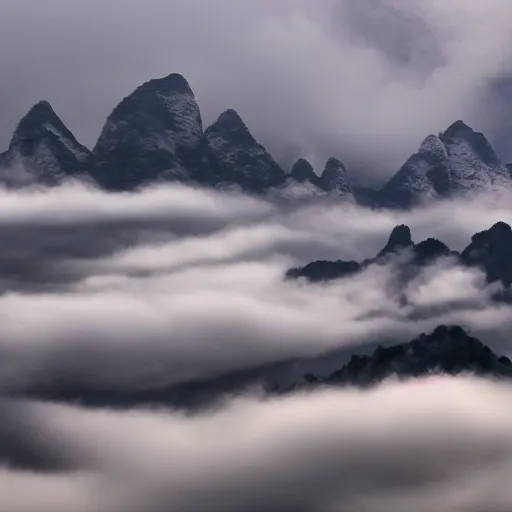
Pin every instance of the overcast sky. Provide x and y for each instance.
(363, 80)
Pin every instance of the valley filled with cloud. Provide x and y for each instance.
(169, 285)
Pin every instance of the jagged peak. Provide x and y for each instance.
(333, 163)
(400, 238)
(302, 162)
(38, 121)
(457, 129)
(495, 232)
(230, 122)
(174, 81)
(429, 250)
(230, 118)
(302, 170)
(500, 227)
(42, 112)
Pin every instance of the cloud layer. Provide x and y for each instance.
(175, 284)
(434, 444)
(363, 81)
(126, 292)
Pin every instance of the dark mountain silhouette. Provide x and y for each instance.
(43, 150)
(490, 251)
(156, 135)
(448, 350)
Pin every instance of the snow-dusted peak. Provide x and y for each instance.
(153, 134)
(334, 178)
(234, 156)
(434, 146)
(41, 121)
(458, 161)
(43, 147)
(230, 124)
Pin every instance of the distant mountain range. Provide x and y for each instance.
(489, 250)
(156, 135)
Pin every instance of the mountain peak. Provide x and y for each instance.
(303, 171)
(400, 238)
(153, 134)
(173, 81)
(45, 148)
(236, 158)
(334, 178)
(458, 128)
(230, 120)
(447, 350)
(33, 125)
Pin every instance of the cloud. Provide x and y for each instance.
(431, 444)
(173, 284)
(363, 81)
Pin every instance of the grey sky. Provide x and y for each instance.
(361, 80)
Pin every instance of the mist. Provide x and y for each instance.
(363, 81)
(431, 444)
(175, 284)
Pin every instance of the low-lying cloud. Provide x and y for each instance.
(431, 444)
(174, 284)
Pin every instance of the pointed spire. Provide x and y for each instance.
(303, 171)
(334, 178)
(400, 238)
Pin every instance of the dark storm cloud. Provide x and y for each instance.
(364, 81)
(431, 444)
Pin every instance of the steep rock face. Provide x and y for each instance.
(42, 149)
(491, 250)
(474, 166)
(303, 172)
(425, 176)
(399, 239)
(153, 135)
(458, 161)
(234, 157)
(420, 254)
(447, 350)
(334, 179)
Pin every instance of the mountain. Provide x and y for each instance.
(448, 350)
(234, 157)
(153, 135)
(420, 254)
(334, 179)
(490, 251)
(303, 172)
(42, 150)
(399, 239)
(458, 161)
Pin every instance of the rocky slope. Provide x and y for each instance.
(154, 134)
(446, 351)
(459, 161)
(490, 251)
(42, 150)
(234, 157)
